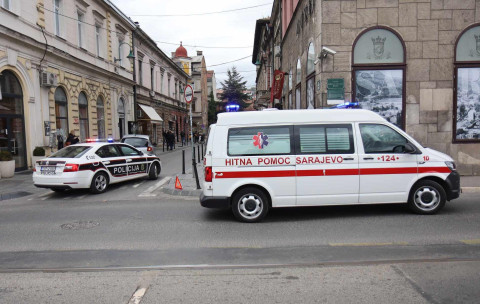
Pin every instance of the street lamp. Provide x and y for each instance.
(130, 56)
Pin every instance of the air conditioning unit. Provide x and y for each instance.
(152, 93)
(48, 79)
(277, 51)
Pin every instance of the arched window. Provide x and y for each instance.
(311, 77)
(61, 113)
(466, 110)
(298, 89)
(83, 115)
(12, 96)
(100, 117)
(121, 116)
(379, 73)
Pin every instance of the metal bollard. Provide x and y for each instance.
(202, 153)
(198, 153)
(194, 160)
(183, 161)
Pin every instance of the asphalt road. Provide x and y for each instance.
(77, 247)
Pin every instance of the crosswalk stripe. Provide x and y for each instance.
(149, 191)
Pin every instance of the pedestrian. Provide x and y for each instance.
(71, 139)
(59, 141)
(170, 139)
(182, 135)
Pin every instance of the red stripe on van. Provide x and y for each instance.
(330, 172)
(434, 170)
(373, 171)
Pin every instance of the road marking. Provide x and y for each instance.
(471, 242)
(45, 194)
(149, 191)
(136, 185)
(367, 244)
(137, 295)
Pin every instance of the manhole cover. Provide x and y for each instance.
(79, 225)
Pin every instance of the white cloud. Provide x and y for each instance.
(227, 29)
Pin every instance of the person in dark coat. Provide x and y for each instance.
(72, 139)
(170, 139)
(182, 135)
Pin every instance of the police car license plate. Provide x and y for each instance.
(47, 170)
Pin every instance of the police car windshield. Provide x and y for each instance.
(71, 152)
(136, 141)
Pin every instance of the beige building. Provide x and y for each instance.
(196, 68)
(159, 91)
(64, 68)
(416, 63)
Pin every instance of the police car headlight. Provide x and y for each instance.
(451, 165)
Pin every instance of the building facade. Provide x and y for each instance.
(159, 91)
(416, 63)
(63, 68)
(196, 68)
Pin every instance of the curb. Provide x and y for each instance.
(193, 193)
(470, 189)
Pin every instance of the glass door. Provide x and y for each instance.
(12, 138)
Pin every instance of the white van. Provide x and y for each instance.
(260, 160)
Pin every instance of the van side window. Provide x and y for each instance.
(325, 139)
(259, 141)
(380, 138)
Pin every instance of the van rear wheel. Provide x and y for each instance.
(250, 205)
(427, 197)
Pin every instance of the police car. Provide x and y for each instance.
(94, 166)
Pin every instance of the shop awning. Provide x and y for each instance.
(154, 117)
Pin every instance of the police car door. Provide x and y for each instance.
(136, 161)
(113, 161)
(327, 165)
(386, 172)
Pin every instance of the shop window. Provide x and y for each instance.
(61, 113)
(101, 118)
(379, 73)
(83, 115)
(466, 110)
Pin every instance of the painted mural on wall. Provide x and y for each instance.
(381, 91)
(468, 104)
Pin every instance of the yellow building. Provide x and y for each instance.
(64, 68)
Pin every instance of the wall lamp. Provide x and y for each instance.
(130, 56)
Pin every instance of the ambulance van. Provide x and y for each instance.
(269, 159)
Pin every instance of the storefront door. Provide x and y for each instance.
(12, 124)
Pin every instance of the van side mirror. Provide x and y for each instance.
(410, 149)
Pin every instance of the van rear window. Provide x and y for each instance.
(259, 141)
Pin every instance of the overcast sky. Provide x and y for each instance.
(232, 29)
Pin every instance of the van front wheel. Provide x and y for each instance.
(250, 205)
(427, 197)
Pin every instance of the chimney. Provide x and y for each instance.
(199, 53)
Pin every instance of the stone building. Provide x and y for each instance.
(196, 68)
(262, 58)
(63, 68)
(416, 63)
(160, 83)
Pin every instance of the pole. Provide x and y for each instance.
(203, 155)
(198, 153)
(193, 150)
(183, 161)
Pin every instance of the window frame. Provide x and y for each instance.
(381, 66)
(61, 103)
(8, 5)
(57, 10)
(460, 65)
(349, 126)
(98, 39)
(81, 28)
(102, 120)
(290, 131)
(84, 119)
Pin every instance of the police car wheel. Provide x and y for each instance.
(99, 183)
(427, 197)
(250, 205)
(154, 171)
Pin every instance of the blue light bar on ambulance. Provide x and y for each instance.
(232, 108)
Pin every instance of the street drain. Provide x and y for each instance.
(78, 225)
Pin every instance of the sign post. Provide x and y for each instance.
(188, 95)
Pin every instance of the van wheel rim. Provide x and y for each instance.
(250, 206)
(427, 198)
(100, 183)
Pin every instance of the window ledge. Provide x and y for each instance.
(9, 11)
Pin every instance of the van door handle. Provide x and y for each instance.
(348, 158)
(368, 158)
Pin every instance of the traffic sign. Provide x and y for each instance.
(188, 94)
